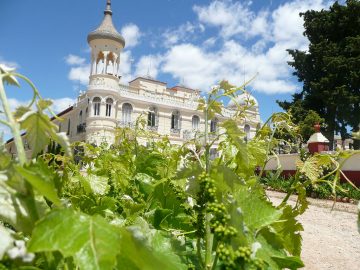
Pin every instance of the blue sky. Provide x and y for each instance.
(196, 43)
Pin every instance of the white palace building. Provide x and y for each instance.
(107, 104)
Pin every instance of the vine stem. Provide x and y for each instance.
(14, 126)
(15, 129)
(209, 236)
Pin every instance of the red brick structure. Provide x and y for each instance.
(318, 142)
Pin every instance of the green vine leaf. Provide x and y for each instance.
(256, 211)
(42, 179)
(288, 262)
(95, 184)
(40, 131)
(91, 240)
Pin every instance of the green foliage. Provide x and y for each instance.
(306, 126)
(157, 207)
(92, 242)
(321, 190)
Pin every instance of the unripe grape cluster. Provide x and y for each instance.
(205, 195)
(207, 189)
(238, 259)
(219, 220)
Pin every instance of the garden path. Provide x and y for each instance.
(330, 238)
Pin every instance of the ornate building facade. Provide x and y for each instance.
(108, 104)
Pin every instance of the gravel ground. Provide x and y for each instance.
(330, 238)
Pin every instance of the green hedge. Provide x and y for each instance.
(321, 191)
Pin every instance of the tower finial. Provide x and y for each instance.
(108, 8)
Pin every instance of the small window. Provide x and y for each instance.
(152, 117)
(96, 104)
(213, 153)
(80, 117)
(126, 113)
(195, 122)
(69, 127)
(175, 120)
(247, 132)
(109, 103)
(213, 125)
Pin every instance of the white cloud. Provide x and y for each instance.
(131, 34)
(210, 42)
(125, 68)
(181, 34)
(187, 62)
(287, 25)
(275, 31)
(80, 74)
(72, 60)
(148, 65)
(10, 64)
(79, 71)
(61, 104)
(233, 17)
(201, 69)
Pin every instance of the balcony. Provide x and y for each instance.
(189, 134)
(81, 128)
(152, 128)
(175, 132)
(126, 124)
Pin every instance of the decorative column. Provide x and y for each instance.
(318, 142)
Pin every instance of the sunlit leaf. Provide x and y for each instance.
(40, 130)
(288, 262)
(92, 242)
(6, 240)
(42, 179)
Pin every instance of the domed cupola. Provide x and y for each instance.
(106, 45)
(107, 30)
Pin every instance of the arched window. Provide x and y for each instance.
(96, 104)
(100, 63)
(247, 132)
(109, 103)
(195, 122)
(110, 63)
(80, 117)
(213, 125)
(69, 127)
(247, 129)
(152, 121)
(126, 113)
(175, 120)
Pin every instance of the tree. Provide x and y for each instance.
(306, 126)
(330, 69)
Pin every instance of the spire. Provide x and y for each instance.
(106, 30)
(108, 8)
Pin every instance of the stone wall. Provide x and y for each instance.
(351, 167)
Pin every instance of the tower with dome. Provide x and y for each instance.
(108, 103)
